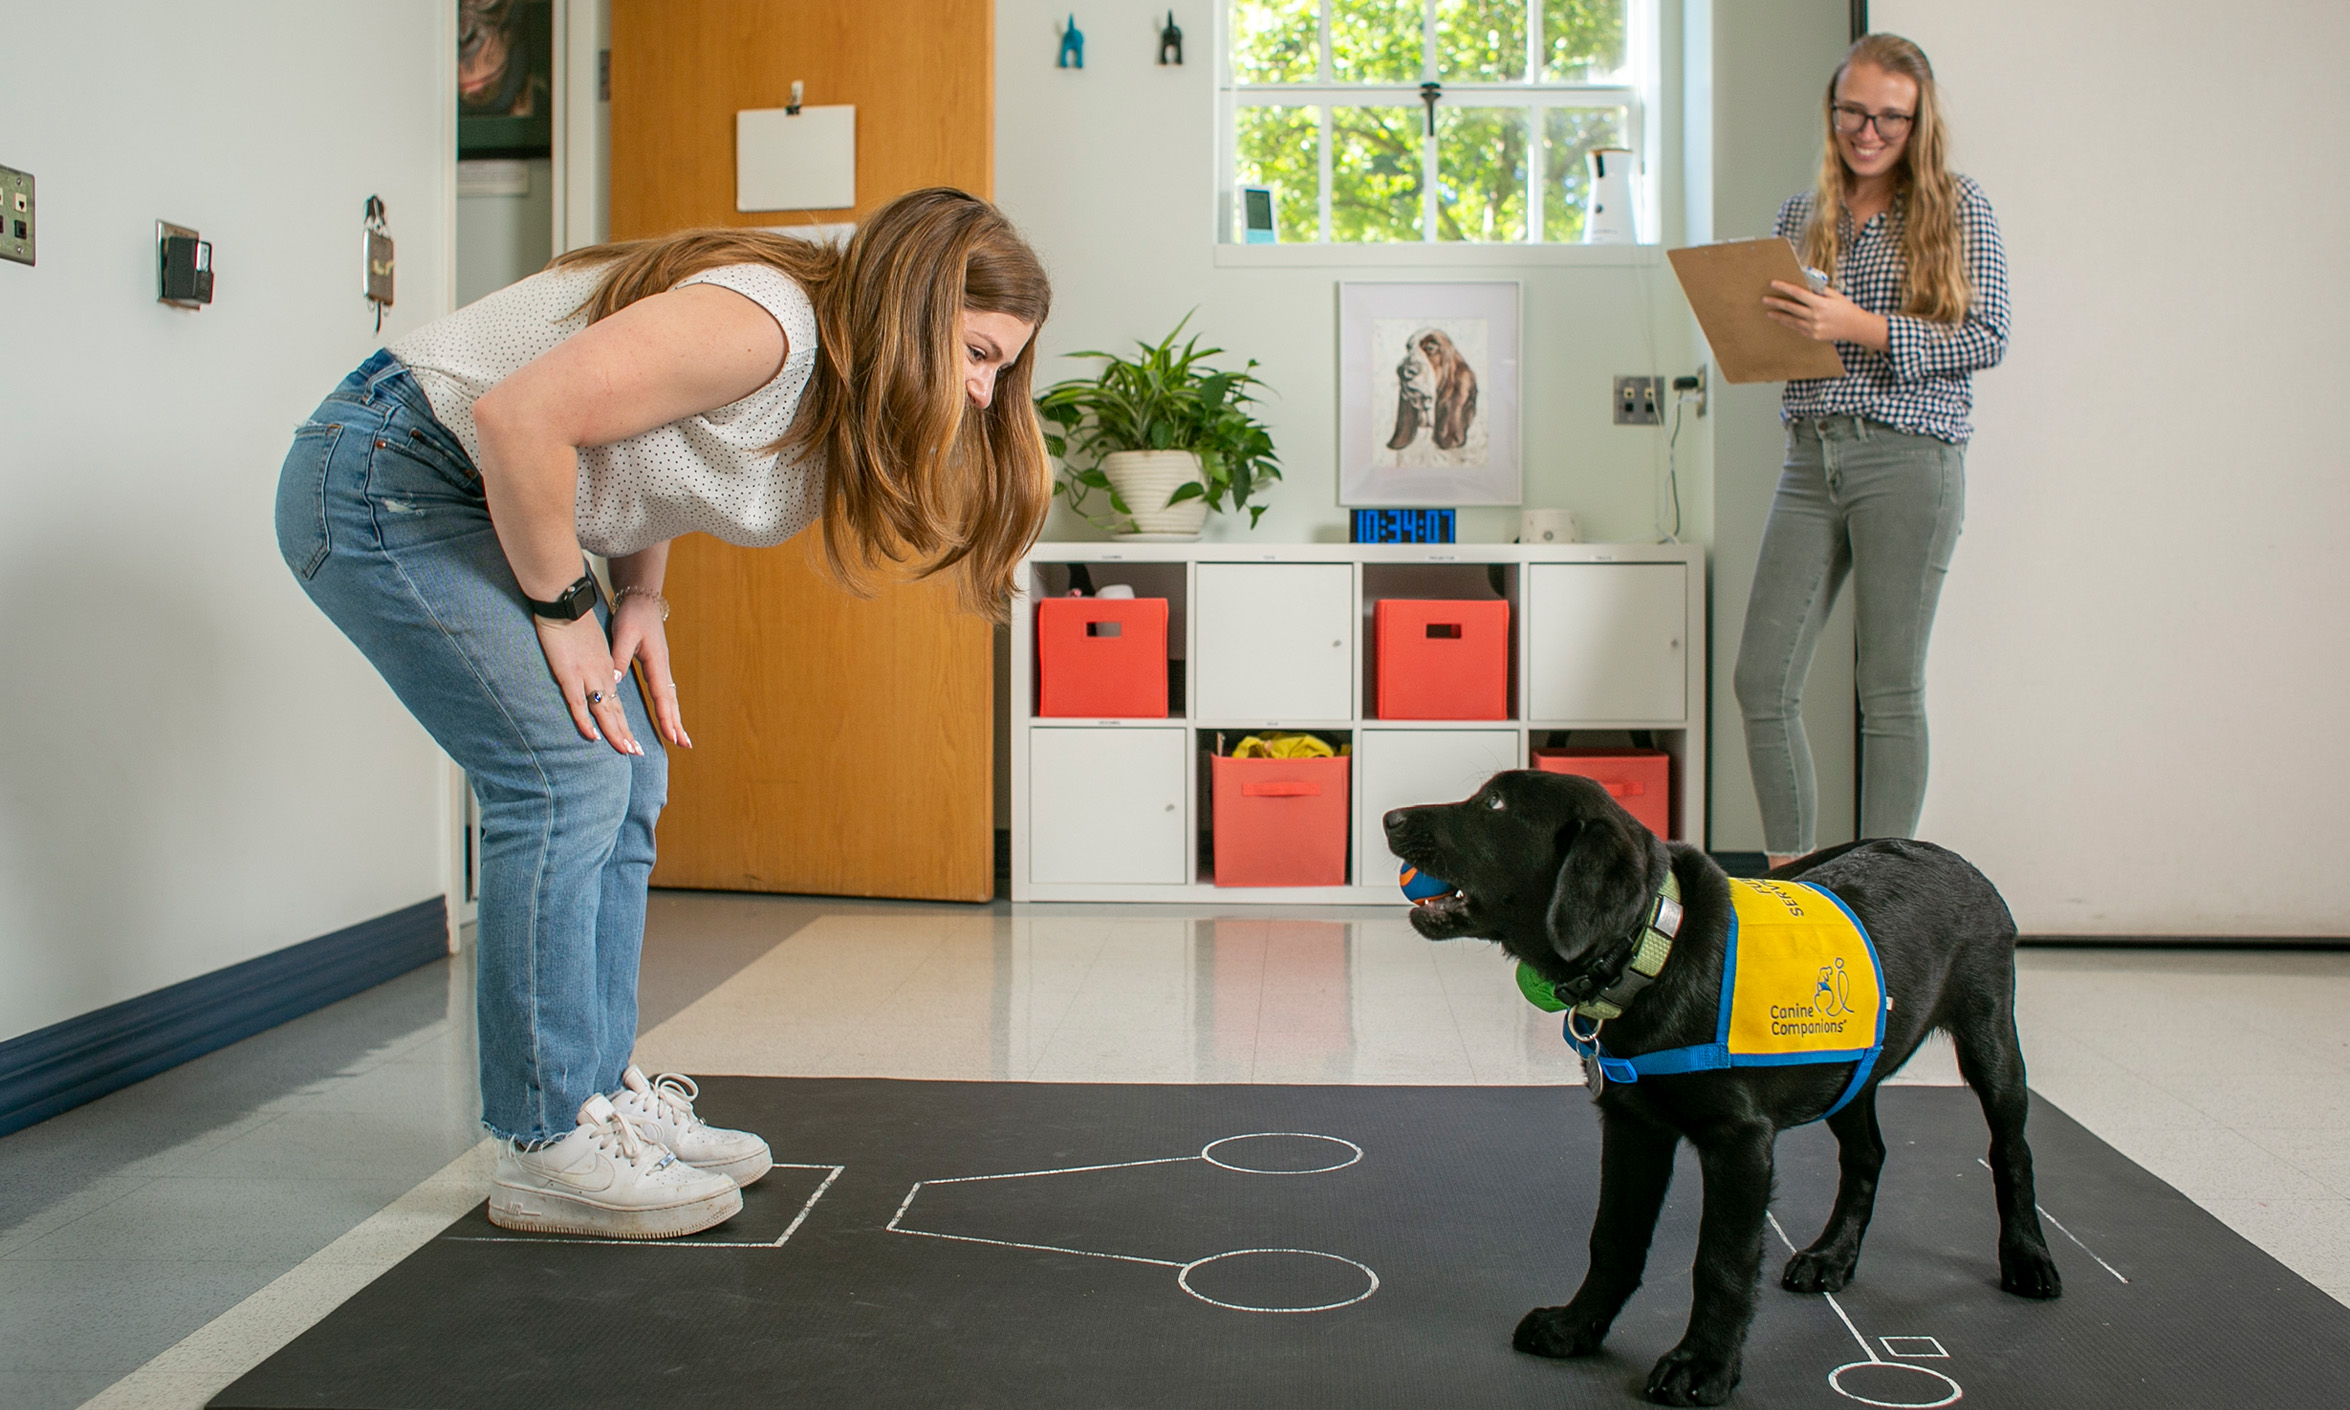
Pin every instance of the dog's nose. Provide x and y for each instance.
(1394, 822)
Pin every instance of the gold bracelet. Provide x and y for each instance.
(634, 591)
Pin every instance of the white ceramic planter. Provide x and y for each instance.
(1144, 479)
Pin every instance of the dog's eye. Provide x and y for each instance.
(1495, 802)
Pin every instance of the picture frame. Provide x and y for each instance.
(505, 79)
(1428, 394)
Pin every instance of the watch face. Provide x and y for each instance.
(576, 602)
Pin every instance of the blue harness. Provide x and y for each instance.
(1717, 1055)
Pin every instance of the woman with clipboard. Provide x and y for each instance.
(1914, 299)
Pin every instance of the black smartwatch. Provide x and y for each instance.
(573, 603)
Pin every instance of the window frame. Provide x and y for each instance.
(1637, 93)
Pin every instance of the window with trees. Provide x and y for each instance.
(1430, 120)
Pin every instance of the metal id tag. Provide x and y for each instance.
(1594, 1079)
(376, 272)
(379, 267)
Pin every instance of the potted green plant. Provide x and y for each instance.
(1165, 436)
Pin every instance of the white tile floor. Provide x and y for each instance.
(155, 1244)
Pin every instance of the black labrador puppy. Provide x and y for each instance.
(1564, 878)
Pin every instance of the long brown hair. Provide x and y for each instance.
(913, 473)
(1936, 287)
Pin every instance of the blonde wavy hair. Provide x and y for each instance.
(1933, 248)
(914, 475)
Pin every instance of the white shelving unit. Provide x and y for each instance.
(1604, 637)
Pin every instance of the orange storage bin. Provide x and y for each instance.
(1442, 660)
(1280, 822)
(1640, 779)
(1102, 657)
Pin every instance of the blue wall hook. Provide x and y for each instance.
(1072, 47)
(1171, 42)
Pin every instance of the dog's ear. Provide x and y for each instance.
(1407, 416)
(1610, 870)
(1456, 395)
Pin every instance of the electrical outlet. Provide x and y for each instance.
(1693, 387)
(1639, 401)
(183, 266)
(16, 215)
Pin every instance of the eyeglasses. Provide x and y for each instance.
(1849, 120)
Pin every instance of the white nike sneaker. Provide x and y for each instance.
(663, 1107)
(608, 1179)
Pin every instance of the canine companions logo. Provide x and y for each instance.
(1828, 1009)
(1833, 994)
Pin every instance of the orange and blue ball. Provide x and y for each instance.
(1419, 886)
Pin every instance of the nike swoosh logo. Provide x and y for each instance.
(584, 1182)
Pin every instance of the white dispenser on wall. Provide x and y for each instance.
(1607, 212)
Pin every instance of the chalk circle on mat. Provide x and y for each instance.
(1283, 1156)
(1277, 1279)
(1894, 1384)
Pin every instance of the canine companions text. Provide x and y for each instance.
(1577, 890)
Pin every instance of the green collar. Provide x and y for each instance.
(1652, 946)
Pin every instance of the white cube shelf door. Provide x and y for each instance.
(1607, 642)
(1273, 642)
(1401, 768)
(1106, 806)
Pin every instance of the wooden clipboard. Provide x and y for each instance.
(1725, 284)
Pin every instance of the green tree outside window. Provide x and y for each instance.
(1282, 148)
(1529, 87)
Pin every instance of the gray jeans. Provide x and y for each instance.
(1857, 499)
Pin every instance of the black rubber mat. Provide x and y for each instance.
(1027, 1244)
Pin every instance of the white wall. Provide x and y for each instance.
(1769, 62)
(2138, 675)
(503, 234)
(1111, 172)
(198, 769)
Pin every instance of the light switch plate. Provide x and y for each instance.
(16, 215)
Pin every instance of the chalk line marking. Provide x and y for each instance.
(1183, 1279)
(1931, 1350)
(1836, 1377)
(783, 1238)
(2076, 1238)
(1183, 1271)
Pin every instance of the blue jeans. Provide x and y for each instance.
(380, 514)
(1860, 500)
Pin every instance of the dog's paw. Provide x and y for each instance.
(1687, 1376)
(1813, 1271)
(2028, 1271)
(1558, 1331)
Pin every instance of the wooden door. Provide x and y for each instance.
(843, 746)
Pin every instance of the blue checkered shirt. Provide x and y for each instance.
(1923, 385)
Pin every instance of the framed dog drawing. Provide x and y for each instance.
(1428, 394)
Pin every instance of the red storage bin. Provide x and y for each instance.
(1640, 779)
(1442, 660)
(1102, 657)
(1280, 822)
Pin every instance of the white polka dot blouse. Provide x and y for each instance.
(705, 473)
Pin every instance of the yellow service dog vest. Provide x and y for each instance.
(1801, 984)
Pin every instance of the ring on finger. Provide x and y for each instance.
(595, 697)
